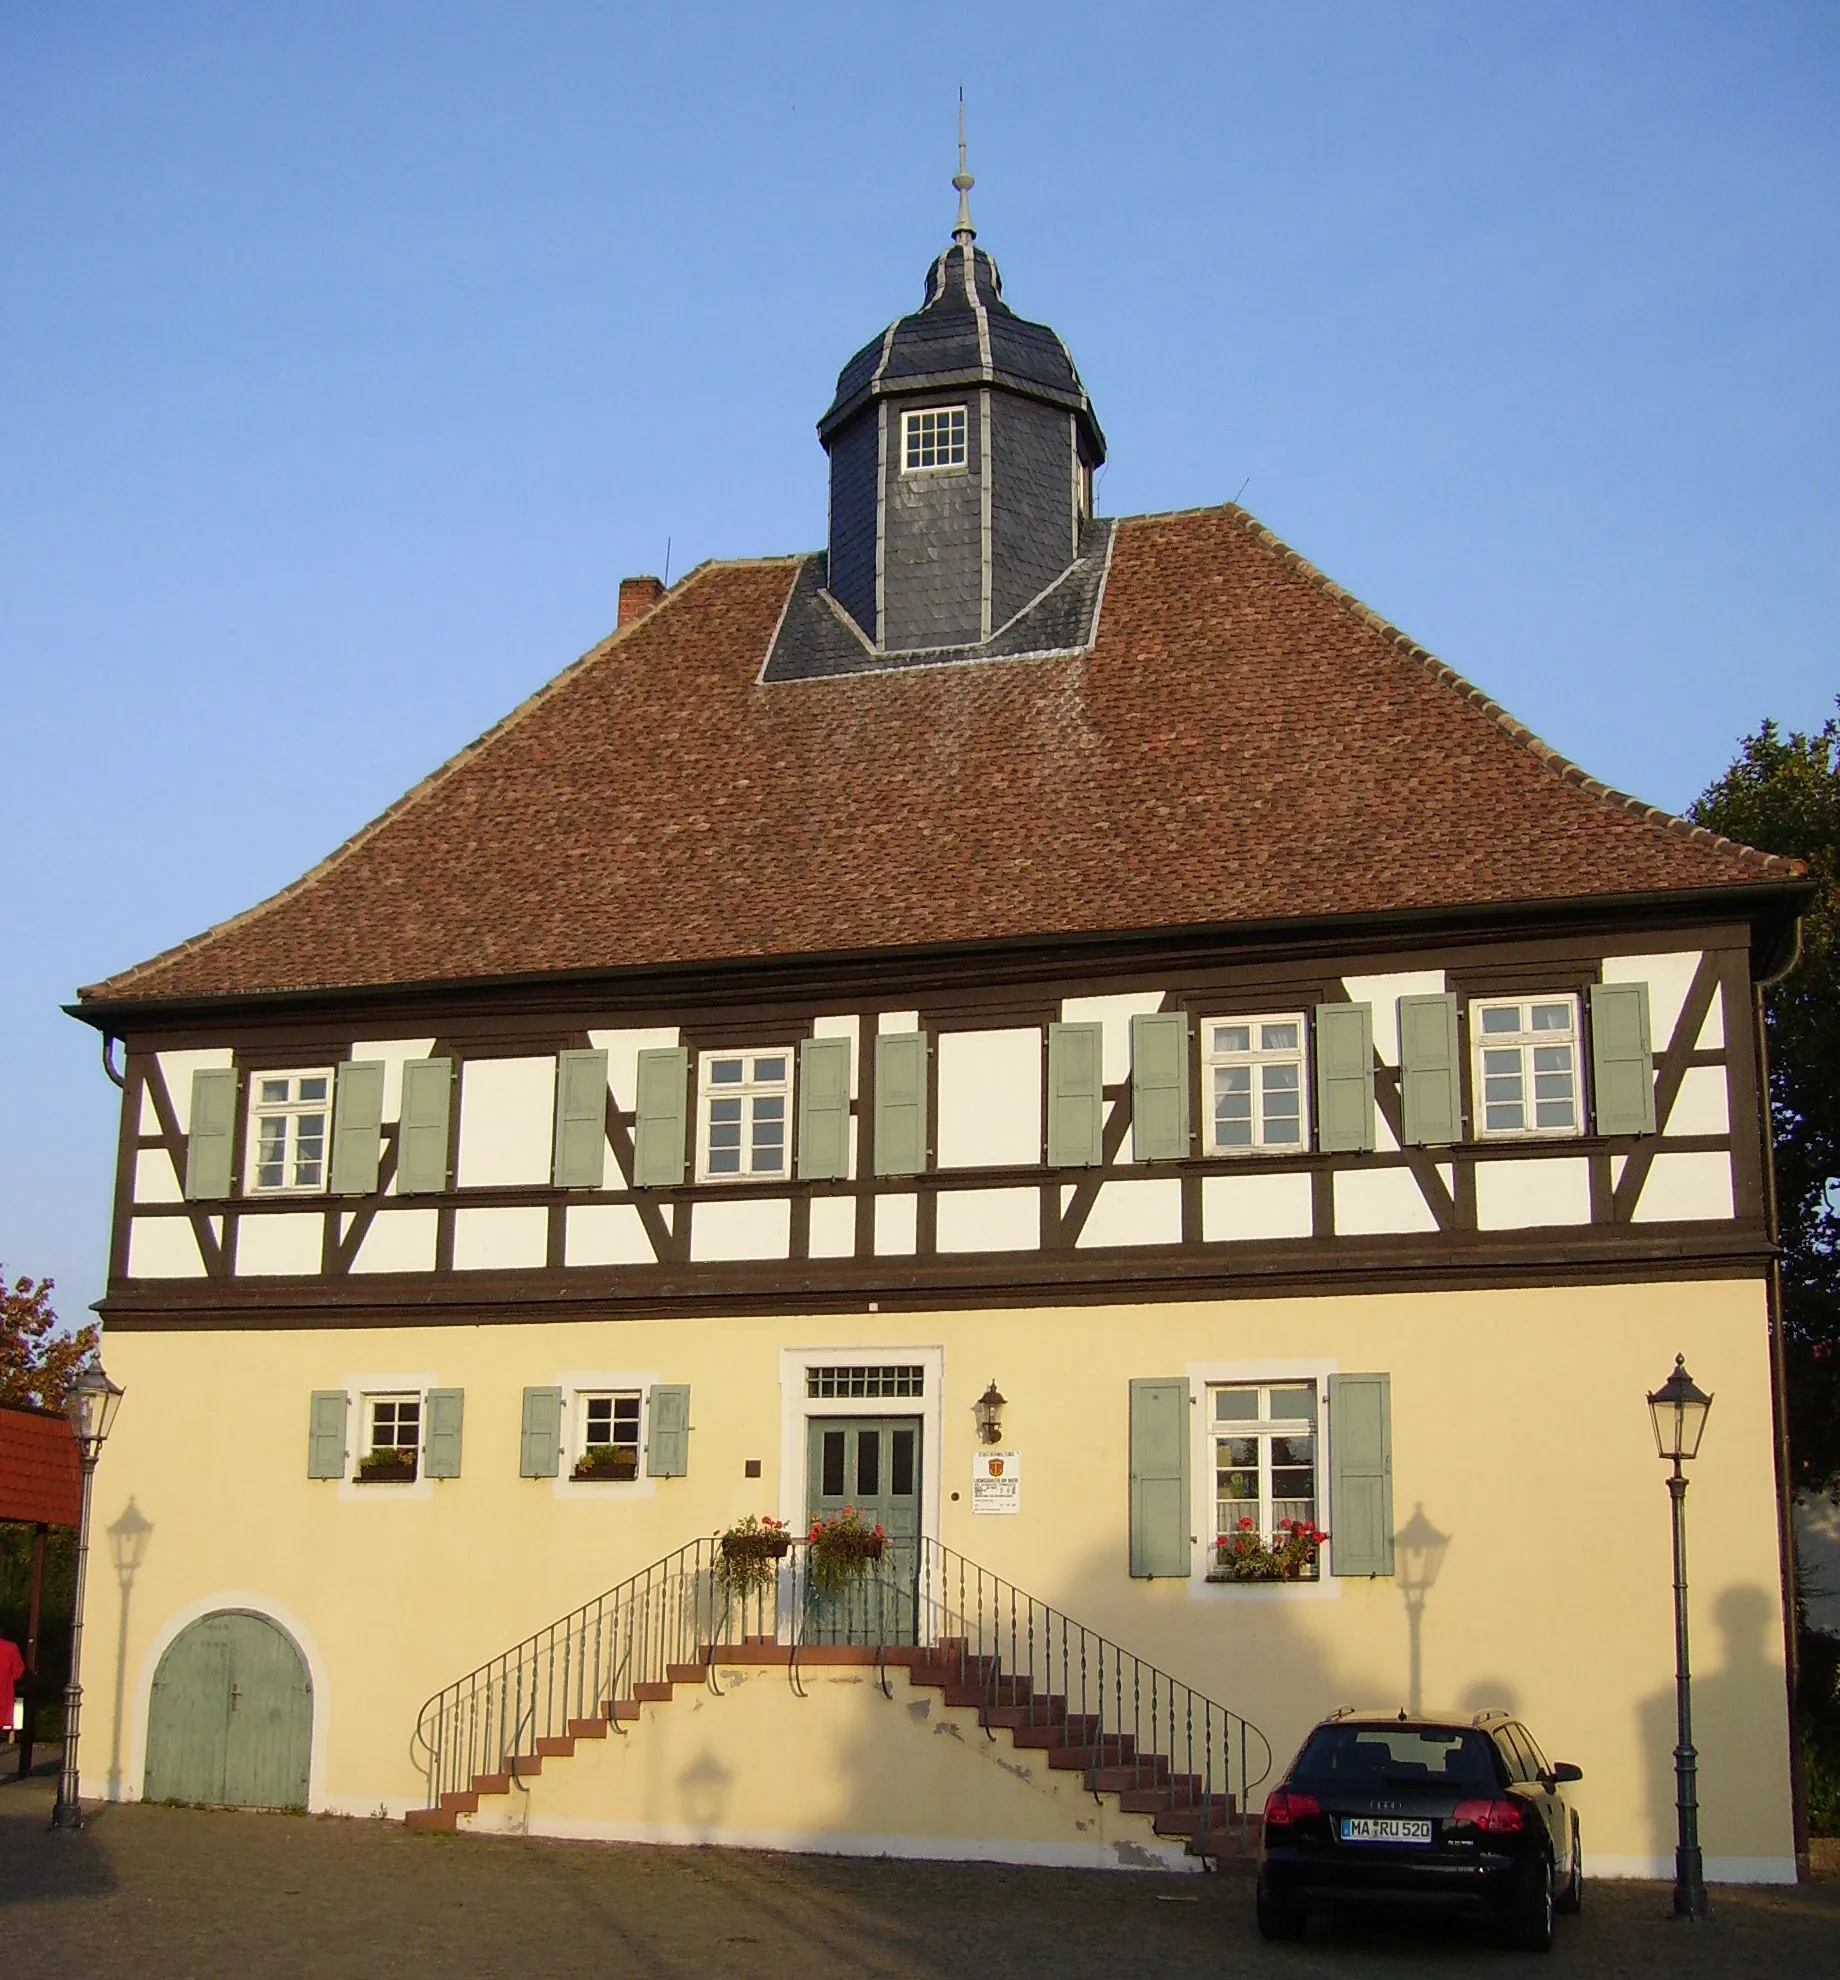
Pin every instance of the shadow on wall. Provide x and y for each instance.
(128, 1534)
(1737, 1732)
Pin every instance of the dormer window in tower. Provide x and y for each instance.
(933, 439)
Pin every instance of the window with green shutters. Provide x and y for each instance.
(540, 1435)
(1160, 1541)
(1622, 1062)
(441, 1432)
(1076, 1100)
(326, 1420)
(210, 1140)
(1430, 1071)
(581, 1120)
(1345, 1078)
(1360, 1474)
(658, 1117)
(421, 1133)
(824, 1109)
(1159, 1086)
(667, 1439)
(900, 1103)
(357, 1127)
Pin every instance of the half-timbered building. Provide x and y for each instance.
(1068, 1034)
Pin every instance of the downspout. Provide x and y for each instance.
(1779, 1410)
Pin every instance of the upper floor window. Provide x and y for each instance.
(933, 439)
(1253, 1074)
(745, 1129)
(395, 1424)
(289, 1114)
(1525, 1066)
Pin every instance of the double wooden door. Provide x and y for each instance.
(230, 1721)
(872, 1463)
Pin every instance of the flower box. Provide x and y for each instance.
(749, 1553)
(607, 1462)
(840, 1551)
(387, 1468)
(1293, 1553)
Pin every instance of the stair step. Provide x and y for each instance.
(1228, 1849)
(650, 1692)
(1147, 1774)
(431, 1818)
(491, 1783)
(1111, 1751)
(587, 1728)
(624, 1709)
(687, 1673)
(1038, 1712)
(460, 1801)
(555, 1746)
(1070, 1729)
(1192, 1819)
(755, 1650)
(526, 1765)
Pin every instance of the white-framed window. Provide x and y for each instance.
(290, 1121)
(1265, 1447)
(932, 439)
(608, 1434)
(392, 1423)
(744, 1131)
(1255, 1092)
(1524, 1063)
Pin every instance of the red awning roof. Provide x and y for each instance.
(41, 1482)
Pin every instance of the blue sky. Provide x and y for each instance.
(350, 355)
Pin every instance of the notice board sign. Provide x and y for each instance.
(996, 1482)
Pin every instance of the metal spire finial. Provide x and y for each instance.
(963, 234)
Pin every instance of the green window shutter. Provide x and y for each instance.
(1430, 1078)
(326, 1434)
(658, 1124)
(667, 1440)
(1159, 1478)
(1361, 1474)
(824, 1109)
(581, 1120)
(1621, 1063)
(900, 1103)
(209, 1144)
(1344, 1078)
(357, 1127)
(540, 1442)
(442, 1410)
(1159, 1086)
(1076, 1058)
(421, 1136)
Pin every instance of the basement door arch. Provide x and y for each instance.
(230, 1718)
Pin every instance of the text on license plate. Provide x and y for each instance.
(1384, 1829)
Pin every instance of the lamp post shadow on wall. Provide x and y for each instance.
(1418, 1550)
(128, 1537)
(1678, 1410)
(91, 1407)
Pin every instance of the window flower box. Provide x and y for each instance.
(840, 1552)
(1292, 1554)
(618, 1463)
(387, 1467)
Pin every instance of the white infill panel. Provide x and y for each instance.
(897, 1226)
(1669, 977)
(833, 1226)
(1243, 1207)
(989, 1220)
(605, 1234)
(398, 1241)
(1700, 1107)
(1712, 1033)
(623, 1049)
(1513, 1196)
(761, 1228)
(287, 1243)
(1685, 1189)
(1373, 1202)
(500, 1240)
(177, 1068)
(163, 1248)
(1384, 993)
(1147, 1212)
(390, 1053)
(155, 1180)
(989, 1099)
(507, 1121)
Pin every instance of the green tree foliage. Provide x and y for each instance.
(1783, 795)
(37, 1363)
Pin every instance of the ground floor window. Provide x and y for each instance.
(609, 1435)
(1264, 1443)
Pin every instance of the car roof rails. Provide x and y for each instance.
(1491, 1717)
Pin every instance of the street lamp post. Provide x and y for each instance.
(91, 1407)
(1678, 1410)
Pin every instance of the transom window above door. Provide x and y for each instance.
(289, 1115)
(746, 1115)
(1525, 1066)
(933, 439)
(1264, 1444)
(1253, 1078)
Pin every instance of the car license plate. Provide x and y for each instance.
(1384, 1829)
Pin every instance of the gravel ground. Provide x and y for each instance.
(159, 1893)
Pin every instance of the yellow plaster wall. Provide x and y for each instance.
(1519, 1431)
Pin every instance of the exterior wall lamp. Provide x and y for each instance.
(1678, 1410)
(90, 1406)
(988, 1409)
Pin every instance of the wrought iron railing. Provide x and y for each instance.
(1022, 1662)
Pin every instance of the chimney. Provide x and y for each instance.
(637, 597)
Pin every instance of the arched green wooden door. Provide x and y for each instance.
(231, 1717)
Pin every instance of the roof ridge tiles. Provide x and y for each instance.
(1569, 772)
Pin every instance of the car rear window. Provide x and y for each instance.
(1399, 1756)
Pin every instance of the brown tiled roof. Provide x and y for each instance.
(1244, 742)
(40, 1479)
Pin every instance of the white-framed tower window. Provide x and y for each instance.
(608, 1434)
(1524, 1062)
(744, 1124)
(1264, 1443)
(1253, 1073)
(290, 1114)
(933, 439)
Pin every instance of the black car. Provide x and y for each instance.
(1457, 1816)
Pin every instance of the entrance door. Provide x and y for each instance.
(230, 1721)
(873, 1464)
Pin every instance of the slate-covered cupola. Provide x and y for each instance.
(962, 448)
